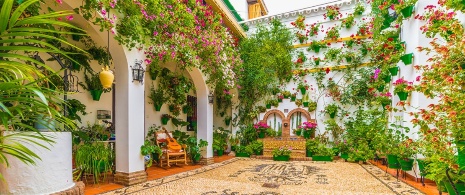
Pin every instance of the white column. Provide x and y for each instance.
(129, 114)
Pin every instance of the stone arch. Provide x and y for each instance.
(305, 113)
(274, 111)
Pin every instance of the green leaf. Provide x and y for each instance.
(5, 14)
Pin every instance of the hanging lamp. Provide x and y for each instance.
(106, 76)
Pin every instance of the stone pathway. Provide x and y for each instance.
(253, 176)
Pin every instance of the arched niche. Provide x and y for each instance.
(275, 119)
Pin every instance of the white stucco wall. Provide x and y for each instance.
(51, 174)
(241, 7)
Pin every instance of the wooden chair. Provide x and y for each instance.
(168, 157)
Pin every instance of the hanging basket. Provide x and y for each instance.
(407, 58)
(394, 71)
(106, 77)
(407, 12)
(96, 94)
(402, 95)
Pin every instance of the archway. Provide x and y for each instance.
(278, 122)
(296, 117)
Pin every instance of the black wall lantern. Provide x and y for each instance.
(210, 98)
(138, 72)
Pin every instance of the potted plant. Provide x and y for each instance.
(93, 84)
(349, 56)
(317, 61)
(402, 88)
(332, 12)
(331, 109)
(158, 97)
(242, 151)
(314, 29)
(332, 34)
(234, 141)
(194, 148)
(74, 106)
(384, 99)
(308, 128)
(305, 100)
(348, 22)
(311, 146)
(323, 153)
(286, 94)
(312, 106)
(405, 7)
(316, 45)
(165, 118)
(298, 103)
(359, 9)
(334, 128)
(282, 153)
(220, 137)
(407, 58)
(293, 96)
(256, 146)
(406, 152)
(303, 87)
(150, 151)
(333, 53)
(272, 102)
(154, 70)
(227, 120)
(280, 98)
(261, 128)
(94, 158)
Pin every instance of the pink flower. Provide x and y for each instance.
(104, 12)
(59, 1)
(70, 17)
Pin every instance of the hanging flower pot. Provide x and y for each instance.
(387, 79)
(268, 106)
(157, 107)
(402, 95)
(316, 49)
(317, 61)
(394, 70)
(106, 77)
(384, 105)
(227, 122)
(303, 91)
(280, 100)
(331, 17)
(305, 104)
(96, 94)
(407, 12)
(407, 58)
(292, 98)
(349, 59)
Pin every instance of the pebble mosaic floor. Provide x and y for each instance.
(251, 176)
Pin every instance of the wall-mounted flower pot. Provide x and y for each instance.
(406, 164)
(303, 91)
(331, 17)
(316, 49)
(106, 77)
(157, 107)
(387, 79)
(317, 62)
(171, 108)
(227, 122)
(394, 71)
(281, 158)
(349, 59)
(407, 12)
(402, 95)
(280, 100)
(194, 123)
(332, 115)
(322, 158)
(292, 98)
(384, 105)
(44, 123)
(305, 104)
(407, 58)
(380, 88)
(164, 121)
(268, 106)
(393, 163)
(96, 94)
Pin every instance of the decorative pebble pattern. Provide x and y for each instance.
(253, 176)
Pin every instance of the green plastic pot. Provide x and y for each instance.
(157, 107)
(336, 151)
(322, 158)
(407, 58)
(298, 132)
(268, 106)
(281, 158)
(316, 49)
(280, 100)
(96, 94)
(227, 122)
(422, 165)
(307, 134)
(332, 115)
(233, 148)
(258, 152)
(406, 164)
(164, 121)
(393, 162)
(197, 158)
(348, 59)
(394, 71)
(219, 152)
(380, 88)
(345, 156)
(402, 95)
(387, 79)
(305, 104)
(308, 153)
(292, 99)
(331, 17)
(303, 91)
(242, 155)
(407, 12)
(317, 62)
(261, 135)
(384, 105)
